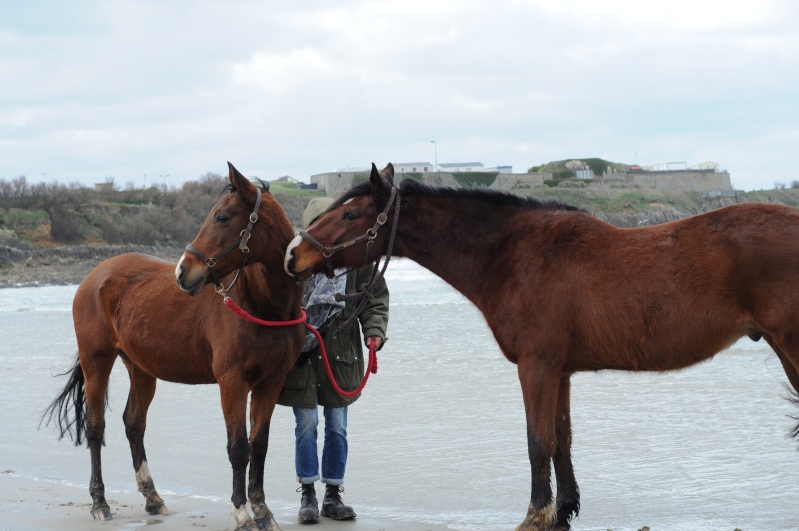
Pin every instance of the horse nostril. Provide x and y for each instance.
(179, 275)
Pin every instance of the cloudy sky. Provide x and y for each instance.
(160, 91)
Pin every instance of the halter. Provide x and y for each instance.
(369, 236)
(241, 241)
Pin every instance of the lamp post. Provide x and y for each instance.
(164, 178)
(435, 151)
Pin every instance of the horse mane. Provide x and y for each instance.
(495, 198)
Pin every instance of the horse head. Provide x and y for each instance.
(348, 233)
(222, 244)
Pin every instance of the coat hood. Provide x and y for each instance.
(315, 208)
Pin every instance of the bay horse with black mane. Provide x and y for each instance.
(563, 291)
(129, 307)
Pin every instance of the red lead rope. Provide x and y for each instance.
(372, 367)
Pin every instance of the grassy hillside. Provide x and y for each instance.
(560, 171)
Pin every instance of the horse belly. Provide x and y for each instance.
(671, 350)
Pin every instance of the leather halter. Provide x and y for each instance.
(241, 241)
(368, 237)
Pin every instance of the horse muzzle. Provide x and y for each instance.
(294, 263)
(190, 279)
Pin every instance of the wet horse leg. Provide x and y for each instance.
(142, 390)
(567, 502)
(96, 371)
(233, 391)
(540, 391)
(791, 367)
(262, 405)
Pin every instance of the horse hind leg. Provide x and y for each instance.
(86, 400)
(142, 391)
(567, 502)
(96, 376)
(791, 367)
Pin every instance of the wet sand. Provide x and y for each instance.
(28, 505)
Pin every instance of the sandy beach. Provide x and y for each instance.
(28, 505)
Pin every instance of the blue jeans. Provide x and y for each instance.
(334, 452)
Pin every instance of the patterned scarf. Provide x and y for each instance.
(320, 303)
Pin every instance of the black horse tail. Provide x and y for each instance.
(793, 398)
(72, 396)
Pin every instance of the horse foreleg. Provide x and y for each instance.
(142, 390)
(262, 405)
(567, 502)
(233, 391)
(540, 391)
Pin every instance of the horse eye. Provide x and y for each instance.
(349, 216)
(222, 218)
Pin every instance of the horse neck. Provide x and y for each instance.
(265, 286)
(268, 292)
(437, 234)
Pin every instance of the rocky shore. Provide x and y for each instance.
(31, 266)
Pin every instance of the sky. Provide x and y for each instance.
(146, 92)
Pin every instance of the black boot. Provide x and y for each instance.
(333, 507)
(309, 507)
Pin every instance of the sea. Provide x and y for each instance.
(439, 434)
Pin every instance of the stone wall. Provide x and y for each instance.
(334, 184)
(670, 181)
(707, 182)
(511, 181)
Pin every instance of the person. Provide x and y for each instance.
(307, 386)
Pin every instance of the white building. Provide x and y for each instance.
(413, 167)
(454, 167)
(668, 166)
(501, 169)
(714, 166)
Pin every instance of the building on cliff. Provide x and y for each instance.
(705, 178)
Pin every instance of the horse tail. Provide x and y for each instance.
(73, 396)
(793, 398)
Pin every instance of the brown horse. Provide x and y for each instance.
(129, 307)
(565, 292)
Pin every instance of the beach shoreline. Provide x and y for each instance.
(32, 504)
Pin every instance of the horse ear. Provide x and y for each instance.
(241, 183)
(388, 173)
(375, 180)
(383, 179)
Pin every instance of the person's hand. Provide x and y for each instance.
(377, 339)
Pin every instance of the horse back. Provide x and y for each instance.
(130, 305)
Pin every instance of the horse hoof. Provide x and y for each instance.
(156, 509)
(543, 519)
(267, 524)
(102, 512)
